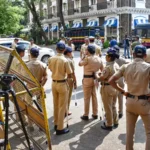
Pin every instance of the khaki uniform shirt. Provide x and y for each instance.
(92, 65)
(13, 45)
(37, 68)
(83, 49)
(137, 76)
(134, 44)
(109, 70)
(71, 62)
(59, 66)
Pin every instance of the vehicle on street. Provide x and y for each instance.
(143, 31)
(45, 53)
(78, 34)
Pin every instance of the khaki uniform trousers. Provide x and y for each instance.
(135, 108)
(70, 83)
(109, 97)
(1, 133)
(90, 91)
(60, 99)
(120, 96)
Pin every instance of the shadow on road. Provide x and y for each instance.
(139, 134)
(81, 135)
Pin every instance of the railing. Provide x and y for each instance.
(84, 9)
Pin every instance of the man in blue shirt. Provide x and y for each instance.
(113, 42)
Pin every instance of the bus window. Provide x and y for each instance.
(148, 33)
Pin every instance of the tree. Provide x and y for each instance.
(36, 19)
(60, 13)
(10, 17)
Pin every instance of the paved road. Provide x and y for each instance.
(87, 135)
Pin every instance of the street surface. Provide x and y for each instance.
(88, 135)
(84, 135)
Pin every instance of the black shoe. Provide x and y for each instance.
(116, 125)
(125, 57)
(64, 131)
(129, 57)
(84, 117)
(120, 116)
(55, 127)
(109, 128)
(94, 116)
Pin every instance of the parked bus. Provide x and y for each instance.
(79, 34)
(143, 31)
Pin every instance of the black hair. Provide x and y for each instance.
(112, 57)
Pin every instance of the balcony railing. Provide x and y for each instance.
(98, 6)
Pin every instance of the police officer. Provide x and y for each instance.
(84, 47)
(31, 45)
(60, 69)
(38, 69)
(14, 43)
(17, 67)
(92, 65)
(113, 42)
(108, 93)
(97, 48)
(120, 61)
(137, 76)
(71, 79)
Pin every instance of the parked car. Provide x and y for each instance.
(45, 53)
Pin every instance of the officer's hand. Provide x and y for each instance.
(125, 94)
(149, 99)
(75, 86)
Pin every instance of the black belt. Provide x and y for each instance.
(59, 81)
(88, 76)
(105, 84)
(144, 97)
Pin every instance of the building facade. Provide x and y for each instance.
(119, 17)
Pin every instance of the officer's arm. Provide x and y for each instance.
(83, 61)
(45, 77)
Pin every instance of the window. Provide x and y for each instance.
(93, 2)
(77, 3)
(26, 45)
(6, 44)
(54, 9)
(111, 31)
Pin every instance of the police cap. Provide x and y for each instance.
(20, 48)
(117, 48)
(91, 37)
(60, 46)
(91, 49)
(34, 51)
(140, 50)
(111, 52)
(67, 50)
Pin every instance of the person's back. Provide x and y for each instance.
(113, 42)
(136, 76)
(37, 68)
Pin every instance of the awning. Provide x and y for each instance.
(45, 28)
(54, 29)
(92, 24)
(140, 21)
(77, 25)
(111, 22)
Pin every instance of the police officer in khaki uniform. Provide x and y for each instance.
(84, 47)
(120, 61)
(92, 65)
(137, 77)
(17, 67)
(71, 80)
(97, 48)
(38, 69)
(108, 93)
(60, 69)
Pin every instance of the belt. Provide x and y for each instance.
(88, 76)
(144, 97)
(105, 84)
(59, 81)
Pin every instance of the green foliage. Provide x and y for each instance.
(106, 44)
(10, 17)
